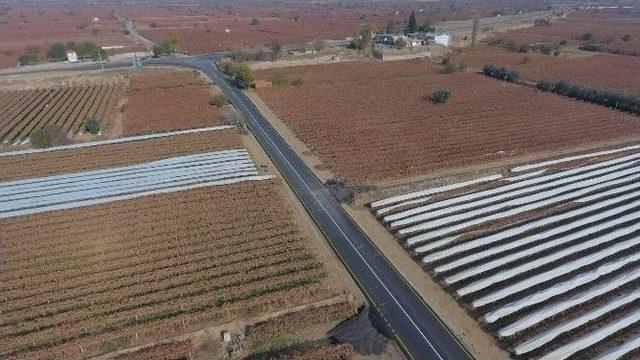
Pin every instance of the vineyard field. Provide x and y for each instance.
(157, 100)
(608, 28)
(545, 257)
(608, 72)
(371, 122)
(119, 154)
(124, 102)
(210, 254)
(25, 111)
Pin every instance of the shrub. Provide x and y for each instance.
(279, 79)
(219, 100)
(440, 96)
(27, 59)
(589, 37)
(153, 25)
(166, 47)
(91, 125)
(297, 82)
(544, 85)
(544, 48)
(126, 32)
(590, 47)
(30, 56)
(400, 44)
(39, 139)
(254, 21)
(46, 137)
(501, 73)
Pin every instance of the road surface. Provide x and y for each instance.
(418, 329)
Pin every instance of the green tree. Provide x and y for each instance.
(254, 21)
(589, 37)
(57, 52)
(88, 49)
(362, 39)
(166, 47)
(30, 56)
(243, 75)
(626, 37)
(92, 125)
(400, 43)
(412, 24)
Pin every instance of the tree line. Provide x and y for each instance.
(602, 97)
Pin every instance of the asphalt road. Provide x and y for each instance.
(416, 327)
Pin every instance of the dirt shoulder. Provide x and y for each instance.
(479, 343)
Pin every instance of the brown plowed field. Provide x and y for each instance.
(87, 280)
(56, 162)
(25, 111)
(167, 99)
(610, 72)
(370, 121)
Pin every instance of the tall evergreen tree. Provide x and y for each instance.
(412, 25)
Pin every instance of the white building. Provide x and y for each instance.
(72, 57)
(439, 38)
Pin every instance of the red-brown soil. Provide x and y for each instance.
(57, 162)
(89, 280)
(601, 71)
(167, 99)
(608, 27)
(371, 121)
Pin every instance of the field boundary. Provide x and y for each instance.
(115, 141)
(216, 329)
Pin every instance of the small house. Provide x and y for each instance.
(72, 56)
(438, 38)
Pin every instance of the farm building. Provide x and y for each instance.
(438, 38)
(390, 40)
(72, 56)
